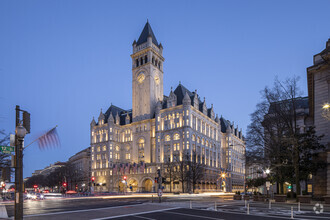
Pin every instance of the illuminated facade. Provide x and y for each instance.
(162, 129)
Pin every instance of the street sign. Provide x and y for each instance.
(160, 192)
(267, 185)
(6, 149)
(12, 140)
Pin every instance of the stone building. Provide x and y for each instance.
(318, 79)
(161, 130)
(81, 165)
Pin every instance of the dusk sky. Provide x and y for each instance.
(64, 60)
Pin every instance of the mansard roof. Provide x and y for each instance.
(114, 110)
(180, 91)
(145, 34)
(300, 103)
(224, 124)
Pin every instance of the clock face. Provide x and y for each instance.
(157, 80)
(141, 77)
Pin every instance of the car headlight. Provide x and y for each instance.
(28, 195)
(42, 196)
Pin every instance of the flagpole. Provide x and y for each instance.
(39, 137)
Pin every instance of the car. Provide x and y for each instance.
(35, 196)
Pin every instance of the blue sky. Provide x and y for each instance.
(64, 60)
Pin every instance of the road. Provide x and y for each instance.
(172, 207)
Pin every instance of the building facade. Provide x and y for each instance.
(161, 130)
(81, 164)
(318, 79)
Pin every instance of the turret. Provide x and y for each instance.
(117, 119)
(93, 123)
(127, 119)
(186, 100)
(101, 118)
(111, 120)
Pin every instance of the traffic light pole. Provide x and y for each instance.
(18, 172)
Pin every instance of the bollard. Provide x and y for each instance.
(152, 198)
(248, 209)
(190, 205)
(298, 206)
(291, 212)
(245, 203)
(270, 205)
(215, 206)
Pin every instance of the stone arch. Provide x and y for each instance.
(132, 185)
(121, 186)
(147, 184)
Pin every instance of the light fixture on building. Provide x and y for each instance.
(326, 111)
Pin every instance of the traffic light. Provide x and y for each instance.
(156, 179)
(35, 186)
(26, 121)
(64, 184)
(158, 172)
(125, 177)
(93, 179)
(3, 185)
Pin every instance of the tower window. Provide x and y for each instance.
(146, 59)
(153, 60)
(137, 62)
(141, 61)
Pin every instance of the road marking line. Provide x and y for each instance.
(82, 210)
(261, 214)
(144, 217)
(197, 216)
(134, 214)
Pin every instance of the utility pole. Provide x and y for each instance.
(159, 185)
(19, 140)
(18, 172)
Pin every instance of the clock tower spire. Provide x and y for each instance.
(147, 74)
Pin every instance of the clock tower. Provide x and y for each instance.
(147, 74)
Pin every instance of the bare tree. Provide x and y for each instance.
(196, 169)
(274, 137)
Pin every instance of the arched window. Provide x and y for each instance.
(176, 136)
(141, 149)
(141, 61)
(153, 60)
(167, 138)
(193, 137)
(207, 143)
(145, 59)
(141, 143)
(137, 62)
(127, 148)
(198, 139)
(117, 148)
(203, 141)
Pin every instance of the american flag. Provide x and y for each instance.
(122, 168)
(114, 169)
(128, 166)
(134, 168)
(142, 166)
(49, 139)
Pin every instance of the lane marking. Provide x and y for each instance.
(144, 217)
(196, 216)
(260, 215)
(134, 214)
(82, 210)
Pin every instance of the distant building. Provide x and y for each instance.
(47, 170)
(318, 79)
(81, 164)
(159, 130)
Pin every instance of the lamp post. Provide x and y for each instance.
(267, 171)
(20, 134)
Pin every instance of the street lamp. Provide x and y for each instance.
(267, 171)
(326, 110)
(20, 134)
